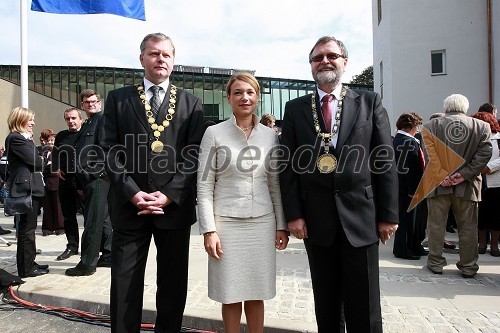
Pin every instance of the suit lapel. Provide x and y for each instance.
(308, 112)
(139, 109)
(350, 110)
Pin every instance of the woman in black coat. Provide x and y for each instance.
(25, 166)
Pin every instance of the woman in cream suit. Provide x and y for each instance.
(240, 212)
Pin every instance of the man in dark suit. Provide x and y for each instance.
(93, 182)
(151, 137)
(339, 190)
(63, 163)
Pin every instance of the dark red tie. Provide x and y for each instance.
(422, 158)
(327, 110)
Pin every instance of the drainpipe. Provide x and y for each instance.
(490, 65)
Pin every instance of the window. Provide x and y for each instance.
(438, 62)
(379, 10)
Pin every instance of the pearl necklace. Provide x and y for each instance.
(157, 145)
(246, 128)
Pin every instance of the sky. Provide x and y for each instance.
(272, 37)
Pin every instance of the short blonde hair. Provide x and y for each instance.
(245, 77)
(18, 118)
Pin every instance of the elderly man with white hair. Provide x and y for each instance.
(461, 188)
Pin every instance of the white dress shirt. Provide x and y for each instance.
(335, 104)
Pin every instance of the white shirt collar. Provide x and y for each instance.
(27, 135)
(256, 120)
(336, 92)
(148, 84)
(408, 134)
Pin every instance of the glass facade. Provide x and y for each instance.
(64, 83)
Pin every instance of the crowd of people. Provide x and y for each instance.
(138, 169)
(466, 191)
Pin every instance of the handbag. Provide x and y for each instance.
(17, 205)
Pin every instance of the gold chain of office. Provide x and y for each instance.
(326, 162)
(157, 145)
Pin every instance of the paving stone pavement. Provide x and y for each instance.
(413, 299)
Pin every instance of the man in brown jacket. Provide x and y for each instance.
(469, 138)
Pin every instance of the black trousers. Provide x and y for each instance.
(406, 237)
(344, 275)
(68, 196)
(128, 264)
(26, 247)
(97, 230)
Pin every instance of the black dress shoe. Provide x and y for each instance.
(36, 272)
(41, 266)
(422, 252)
(4, 232)
(66, 254)
(103, 263)
(79, 270)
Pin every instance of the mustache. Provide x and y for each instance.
(327, 67)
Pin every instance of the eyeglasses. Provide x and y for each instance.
(330, 56)
(90, 102)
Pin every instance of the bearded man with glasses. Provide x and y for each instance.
(339, 190)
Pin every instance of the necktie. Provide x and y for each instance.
(155, 101)
(327, 110)
(422, 158)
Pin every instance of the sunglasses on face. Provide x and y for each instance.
(330, 56)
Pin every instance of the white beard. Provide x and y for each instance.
(329, 77)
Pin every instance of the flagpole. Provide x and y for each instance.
(24, 53)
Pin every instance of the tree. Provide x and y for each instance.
(366, 77)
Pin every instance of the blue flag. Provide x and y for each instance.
(128, 8)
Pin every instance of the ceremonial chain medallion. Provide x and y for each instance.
(157, 145)
(326, 162)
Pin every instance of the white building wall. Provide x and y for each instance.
(49, 113)
(415, 28)
(382, 54)
(495, 28)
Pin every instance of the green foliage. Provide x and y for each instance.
(366, 77)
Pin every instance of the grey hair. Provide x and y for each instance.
(326, 39)
(156, 36)
(73, 109)
(456, 103)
